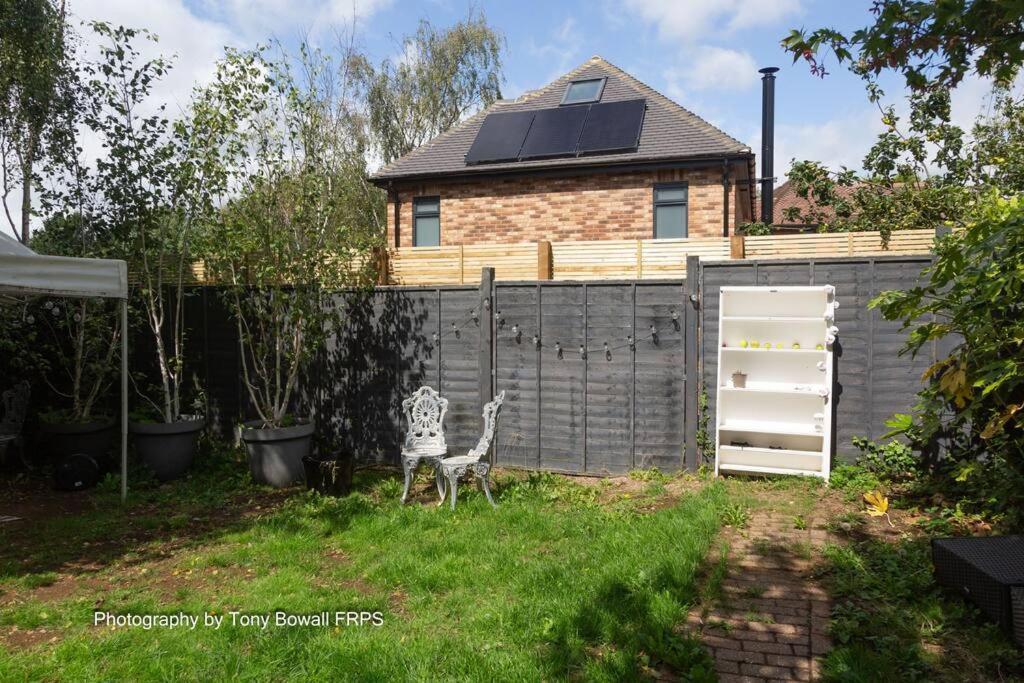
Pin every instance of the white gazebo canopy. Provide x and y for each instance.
(26, 273)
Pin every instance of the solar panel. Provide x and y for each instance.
(500, 137)
(613, 127)
(555, 132)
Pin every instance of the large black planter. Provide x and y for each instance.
(93, 439)
(328, 477)
(167, 448)
(275, 455)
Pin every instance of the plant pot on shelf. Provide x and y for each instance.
(739, 380)
(328, 477)
(167, 448)
(276, 453)
(93, 439)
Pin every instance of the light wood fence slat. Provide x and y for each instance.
(609, 259)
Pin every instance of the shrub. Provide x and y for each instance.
(892, 461)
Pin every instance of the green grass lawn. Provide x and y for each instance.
(560, 581)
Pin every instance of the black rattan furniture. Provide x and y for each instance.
(987, 571)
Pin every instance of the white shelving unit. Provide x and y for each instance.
(777, 419)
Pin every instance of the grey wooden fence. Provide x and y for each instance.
(873, 380)
(594, 375)
(627, 400)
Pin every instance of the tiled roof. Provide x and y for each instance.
(786, 197)
(669, 132)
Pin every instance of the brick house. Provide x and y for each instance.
(594, 155)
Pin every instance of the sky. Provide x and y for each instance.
(704, 54)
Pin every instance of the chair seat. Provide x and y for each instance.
(460, 460)
(435, 452)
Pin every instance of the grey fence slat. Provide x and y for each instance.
(660, 376)
(562, 378)
(516, 374)
(609, 321)
(459, 366)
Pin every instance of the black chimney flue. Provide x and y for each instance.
(768, 143)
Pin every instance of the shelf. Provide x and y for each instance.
(770, 451)
(773, 319)
(775, 390)
(769, 428)
(738, 349)
(757, 469)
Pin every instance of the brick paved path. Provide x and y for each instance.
(772, 620)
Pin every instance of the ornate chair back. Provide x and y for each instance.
(491, 413)
(13, 407)
(424, 412)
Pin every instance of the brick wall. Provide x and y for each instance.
(595, 207)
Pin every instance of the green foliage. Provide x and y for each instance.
(853, 480)
(300, 224)
(36, 97)
(443, 77)
(974, 396)
(933, 45)
(890, 620)
(893, 461)
(736, 515)
(705, 437)
(899, 189)
(752, 229)
(78, 339)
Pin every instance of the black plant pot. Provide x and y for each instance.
(167, 448)
(328, 477)
(275, 455)
(93, 439)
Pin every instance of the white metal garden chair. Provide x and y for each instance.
(424, 411)
(455, 467)
(13, 407)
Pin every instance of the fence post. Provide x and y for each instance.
(485, 351)
(383, 276)
(737, 247)
(544, 261)
(691, 355)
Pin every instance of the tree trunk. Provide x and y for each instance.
(26, 196)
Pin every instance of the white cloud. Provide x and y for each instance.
(715, 68)
(694, 19)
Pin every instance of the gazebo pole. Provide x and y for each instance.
(124, 399)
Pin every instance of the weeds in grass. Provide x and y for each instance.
(799, 523)
(754, 591)
(890, 620)
(853, 481)
(759, 618)
(736, 515)
(711, 590)
(846, 523)
(39, 580)
(652, 474)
